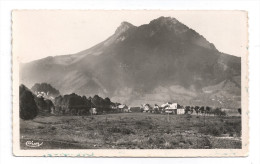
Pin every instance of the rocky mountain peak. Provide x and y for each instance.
(164, 21)
(124, 26)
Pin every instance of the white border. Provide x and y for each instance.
(7, 6)
(130, 152)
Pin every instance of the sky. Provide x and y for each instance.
(41, 33)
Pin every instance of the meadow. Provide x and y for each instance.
(132, 131)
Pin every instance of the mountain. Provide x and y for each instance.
(154, 63)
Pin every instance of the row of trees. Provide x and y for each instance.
(73, 104)
(207, 110)
(81, 105)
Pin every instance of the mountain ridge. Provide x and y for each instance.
(125, 65)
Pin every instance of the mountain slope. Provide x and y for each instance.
(156, 62)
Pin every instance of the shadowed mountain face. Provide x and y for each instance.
(153, 63)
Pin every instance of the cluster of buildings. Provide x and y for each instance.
(169, 108)
(43, 94)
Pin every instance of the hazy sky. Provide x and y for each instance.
(38, 34)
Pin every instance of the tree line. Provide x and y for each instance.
(74, 104)
(207, 110)
(71, 104)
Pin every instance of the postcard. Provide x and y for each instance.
(130, 83)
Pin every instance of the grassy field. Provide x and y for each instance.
(132, 131)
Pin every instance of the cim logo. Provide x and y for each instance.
(33, 144)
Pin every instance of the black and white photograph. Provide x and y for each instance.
(114, 83)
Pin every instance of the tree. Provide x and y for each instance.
(72, 104)
(191, 109)
(107, 101)
(208, 110)
(42, 105)
(219, 112)
(96, 101)
(196, 108)
(187, 109)
(50, 105)
(202, 109)
(107, 104)
(28, 108)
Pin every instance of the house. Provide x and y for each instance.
(40, 94)
(156, 109)
(173, 108)
(44, 95)
(169, 106)
(123, 108)
(93, 111)
(128, 110)
(114, 108)
(180, 111)
(146, 108)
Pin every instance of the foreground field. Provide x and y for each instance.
(132, 131)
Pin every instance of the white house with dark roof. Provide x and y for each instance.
(173, 108)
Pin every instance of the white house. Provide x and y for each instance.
(169, 106)
(93, 111)
(146, 107)
(180, 111)
(123, 108)
(173, 108)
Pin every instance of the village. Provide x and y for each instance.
(165, 108)
(169, 108)
(175, 109)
